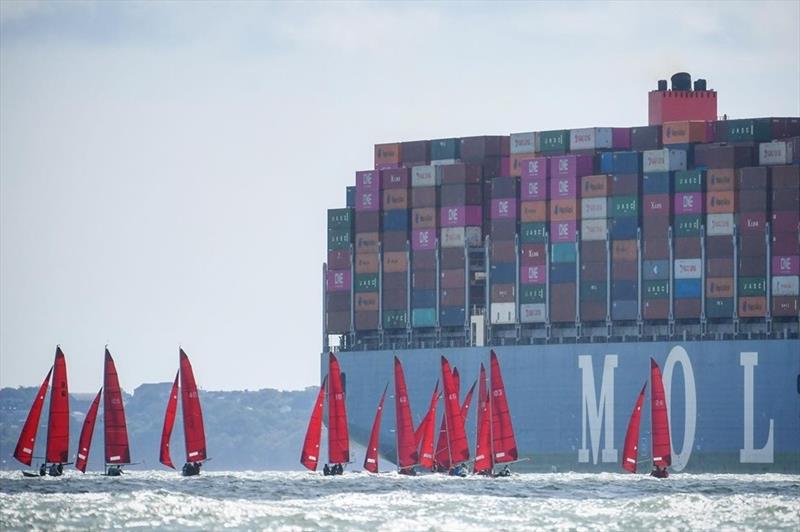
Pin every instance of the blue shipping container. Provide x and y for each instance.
(626, 162)
(688, 288)
(624, 290)
(563, 272)
(423, 317)
(655, 270)
(623, 227)
(452, 316)
(624, 310)
(422, 298)
(657, 183)
(504, 273)
(396, 220)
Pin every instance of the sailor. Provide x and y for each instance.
(326, 470)
(408, 471)
(506, 472)
(660, 472)
(42, 470)
(338, 469)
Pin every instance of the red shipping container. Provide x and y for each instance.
(785, 221)
(453, 297)
(624, 270)
(752, 223)
(593, 271)
(594, 251)
(366, 320)
(719, 287)
(753, 178)
(453, 278)
(655, 309)
(785, 244)
(395, 240)
(532, 254)
(593, 311)
(394, 199)
(338, 259)
(594, 186)
(425, 280)
(655, 227)
(655, 249)
(563, 210)
(504, 293)
(624, 250)
(453, 258)
(751, 201)
(719, 267)
(687, 309)
(453, 174)
(785, 199)
(503, 251)
(719, 247)
(337, 301)
(687, 247)
(751, 267)
(424, 197)
(752, 307)
(784, 177)
(786, 306)
(656, 205)
(751, 245)
(562, 302)
(395, 178)
(388, 153)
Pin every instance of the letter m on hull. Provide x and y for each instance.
(597, 413)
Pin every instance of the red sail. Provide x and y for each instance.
(429, 431)
(194, 433)
(503, 442)
(371, 459)
(27, 438)
(467, 402)
(456, 437)
(169, 422)
(309, 457)
(662, 454)
(442, 450)
(116, 429)
(630, 453)
(483, 445)
(338, 434)
(407, 455)
(58, 425)
(85, 441)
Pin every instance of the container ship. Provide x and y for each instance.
(577, 255)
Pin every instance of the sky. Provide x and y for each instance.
(165, 167)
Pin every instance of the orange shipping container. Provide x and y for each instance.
(624, 250)
(387, 153)
(366, 301)
(564, 210)
(752, 307)
(423, 218)
(720, 179)
(395, 262)
(594, 186)
(720, 202)
(396, 198)
(366, 243)
(515, 163)
(366, 263)
(719, 287)
(684, 132)
(533, 211)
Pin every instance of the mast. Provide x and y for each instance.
(58, 424)
(27, 437)
(85, 441)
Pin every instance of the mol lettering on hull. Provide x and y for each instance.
(732, 405)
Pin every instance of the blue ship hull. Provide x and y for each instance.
(734, 405)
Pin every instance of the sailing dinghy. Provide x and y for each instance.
(454, 422)
(442, 460)
(338, 433)
(194, 433)
(57, 449)
(371, 457)
(407, 451)
(662, 452)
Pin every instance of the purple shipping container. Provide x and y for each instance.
(563, 231)
(621, 138)
(688, 203)
(395, 178)
(422, 239)
(504, 209)
(563, 187)
(368, 180)
(533, 274)
(536, 167)
(785, 221)
(368, 200)
(786, 265)
(572, 166)
(505, 166)
(533, 189)
(338, 280)
(461, 216)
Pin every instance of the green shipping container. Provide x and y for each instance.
(366, 282)
(531, 293)
(340, 219)
(690, 180)
(423, 317)
(533, 232)
(752, 286)
(563, 252)
(395, 319)
(593, 291)
(620, 206)
(719, 308)
(445, 149)
(339, 238)
(688, 225)
(748, 130)
(656, 289)
(554, 141)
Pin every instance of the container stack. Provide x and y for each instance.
(367, 249)
(339, 274)
(594, 252)
(504, 215)
(657, 197)
(534, 210)
(752, 185)
(461, 220)
(721, 202)
(424, 223)
(785, 247)
(523, 146)
(688, 206)
(564, 188)
(685, 135)
(396, 226)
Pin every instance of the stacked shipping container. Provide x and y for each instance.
(424, 244)
(394, 246)
(785, 248)
(338, 279)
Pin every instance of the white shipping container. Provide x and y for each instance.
(503, 313)
(440, 162)
(776, 152)
(594, 229)
(590, 138)
(474, 236)
(593, 208)
(532, 313)
(665, 160)
(525, 142)
(786, 285)
(688, 269)
(425, 176)
(453, 237)
(719, 224)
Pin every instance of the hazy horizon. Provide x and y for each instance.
(165, 167)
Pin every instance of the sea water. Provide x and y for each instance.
(360, 501)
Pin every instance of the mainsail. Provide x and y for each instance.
(27, 438)
(630, 453)
(504, 443)
(58, 424)
(194, 433)
(456, 437)
(407, 455)
(371, 458)
(169, 422)
(309, 457)
(115, 428)
(662, 454)
(338, 435)
(85, 441)
(483, 445)
(428, 431)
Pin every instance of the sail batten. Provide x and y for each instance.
(58, 423)
(27, 437)
(117, 448)
(87, 431)
(371, 457)
(309, 456)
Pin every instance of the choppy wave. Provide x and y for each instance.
(299, 501)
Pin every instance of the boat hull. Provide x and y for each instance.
(734, 406)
